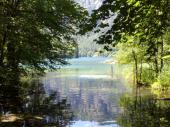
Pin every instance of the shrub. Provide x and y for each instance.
(147, 76)
(163, 81)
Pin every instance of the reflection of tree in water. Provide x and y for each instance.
(36, 109)
(9, 99)
(144, 111)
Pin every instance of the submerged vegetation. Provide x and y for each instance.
(144, 111)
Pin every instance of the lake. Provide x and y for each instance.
(86, 93)
(92, 88)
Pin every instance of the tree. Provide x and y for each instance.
(144, 20)
(36, 34)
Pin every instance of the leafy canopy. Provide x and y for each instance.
(37, 33)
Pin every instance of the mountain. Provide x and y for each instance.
(86, 44)
(90, 5)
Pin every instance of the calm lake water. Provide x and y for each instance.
(93, 90)
(86, 93)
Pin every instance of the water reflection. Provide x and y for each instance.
(81, 123)
(37, 109)
(144, 111)
(93, 101)
(85, 95)
(93, 90)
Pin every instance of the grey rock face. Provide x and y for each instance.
(90, 5)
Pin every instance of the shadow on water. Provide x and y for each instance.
(32, 107)
(144, 111)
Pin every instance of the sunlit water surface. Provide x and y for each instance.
(92, 88)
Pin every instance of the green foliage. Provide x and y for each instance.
(127, 45)
(121, 56)
(147, 76)
(140, 30)
(37, 34)
(166, 57)
(125, 100)
(163, 81)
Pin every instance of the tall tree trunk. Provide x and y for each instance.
(77, 51)
(136, 66)
(162, 50)
(141, 68)
(12, 63)
(2, 48)
(156, 56)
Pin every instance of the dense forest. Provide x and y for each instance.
(140, 32)
(35, 35)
